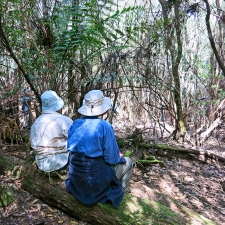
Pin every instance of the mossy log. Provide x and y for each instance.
(201, 153)
(146, 162)
(133, 210)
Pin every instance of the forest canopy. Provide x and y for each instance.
(161, 62)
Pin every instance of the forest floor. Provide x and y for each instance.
(198, 185)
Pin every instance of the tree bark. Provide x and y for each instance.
(173, 32)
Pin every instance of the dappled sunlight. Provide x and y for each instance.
(134, 206)
(155, 195)
(166, 186)
(185, 186)
(145, 211)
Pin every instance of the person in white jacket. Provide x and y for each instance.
(48, 135)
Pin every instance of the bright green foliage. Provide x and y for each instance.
(128, 153)
(6, 196)
(48, 39)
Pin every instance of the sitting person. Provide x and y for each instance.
(48, 135)
(97, 170)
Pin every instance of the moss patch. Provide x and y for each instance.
(128, 153)
(140, 211)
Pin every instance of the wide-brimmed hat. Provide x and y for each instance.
(51, 101)
(94, 104)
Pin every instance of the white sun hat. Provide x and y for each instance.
(51, 101)
(94, 104)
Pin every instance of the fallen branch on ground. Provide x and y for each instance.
(200, 153)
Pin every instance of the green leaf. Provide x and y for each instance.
(121, 82)
(120, 32)
(6, 196)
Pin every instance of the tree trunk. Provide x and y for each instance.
(210, 36)
(173, 32)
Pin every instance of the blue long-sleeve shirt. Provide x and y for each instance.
(94, 137)
(94, 150)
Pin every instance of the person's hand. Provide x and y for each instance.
(121, 154)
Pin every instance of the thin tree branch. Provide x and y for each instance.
(221, 65)
(8, 47)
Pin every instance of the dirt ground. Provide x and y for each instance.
(182, 178)
(197, 185)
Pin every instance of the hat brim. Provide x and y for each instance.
(57, 106)
(97, 110)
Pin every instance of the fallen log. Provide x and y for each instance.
(133, 210)
(203, 154)
(206, 134)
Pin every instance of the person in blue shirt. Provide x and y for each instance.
(97, 172)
